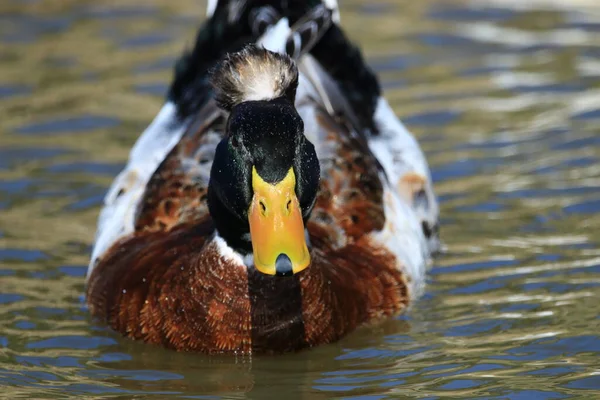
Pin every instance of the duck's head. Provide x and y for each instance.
(265, 174)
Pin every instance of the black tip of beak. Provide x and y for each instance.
(283, 266)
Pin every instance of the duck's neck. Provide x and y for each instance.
(234, 231)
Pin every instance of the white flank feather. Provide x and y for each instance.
(120, 204)
(211, 7)
(400, 155)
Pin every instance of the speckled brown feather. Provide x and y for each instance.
(177, 191)
(351, 192)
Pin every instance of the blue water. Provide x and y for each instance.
(506, 103)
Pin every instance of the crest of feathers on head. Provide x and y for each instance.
(254, 74)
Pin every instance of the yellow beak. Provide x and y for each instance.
(276, 227)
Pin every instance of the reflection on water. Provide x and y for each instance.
(505, 98)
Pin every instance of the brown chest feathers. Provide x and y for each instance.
(174, 289)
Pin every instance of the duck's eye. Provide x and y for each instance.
(263, 207)
(288, 206)
(235, 141)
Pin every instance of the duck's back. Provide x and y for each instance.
(160, 273)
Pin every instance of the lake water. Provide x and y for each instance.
(504, 96)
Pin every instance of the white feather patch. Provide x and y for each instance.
(400, 154)
(275, 38)
(211, 7)
(231, 256)
(402, 235)
(333, 6)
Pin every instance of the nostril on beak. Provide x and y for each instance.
(283, 266)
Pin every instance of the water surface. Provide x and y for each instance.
(504, 96)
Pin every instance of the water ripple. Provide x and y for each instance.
(502, 94)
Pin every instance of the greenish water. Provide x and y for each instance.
(505, 99)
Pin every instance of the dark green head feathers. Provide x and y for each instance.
(263, 131)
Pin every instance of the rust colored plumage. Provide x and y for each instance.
(157, 287)
(174, 289)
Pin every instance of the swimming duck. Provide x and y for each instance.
(275, 203)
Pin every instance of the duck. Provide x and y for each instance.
(275, 203)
